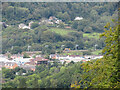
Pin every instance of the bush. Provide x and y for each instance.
(34, 25)
(26, 55)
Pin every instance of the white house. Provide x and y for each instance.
(78, 18)
(23, 26)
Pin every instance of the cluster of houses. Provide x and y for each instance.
(23, 26)
(52, 20)
(18, 61)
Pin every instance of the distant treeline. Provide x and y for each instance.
(95, 14)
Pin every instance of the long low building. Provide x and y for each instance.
(93, 56)
(75, 58)
(69, 57)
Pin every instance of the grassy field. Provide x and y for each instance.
(72, 53)
(65, 32)
(91, 35)
(97, 52)
(61, 31)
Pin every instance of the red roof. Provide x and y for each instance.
(84, 60)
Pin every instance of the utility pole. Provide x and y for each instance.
(62, 46)
(29, 48)
(76, 46)
(95, 46)
(12, 47)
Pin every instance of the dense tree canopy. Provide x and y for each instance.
(105, 72)
(95, 16)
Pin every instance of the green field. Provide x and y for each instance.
(91, 35)
(97, 52)
(72, 53)
(65, 32)
(61, 31)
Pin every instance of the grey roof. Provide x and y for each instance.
(27, 67)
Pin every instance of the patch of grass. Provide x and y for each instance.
(72, 53)
(61, 31)
(91, 35)
(97, 52)
(66, 31)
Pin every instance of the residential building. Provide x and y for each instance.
(37, 61)
(52, 18)
(40, 60)
(93, 56)
(53, 56)
(23, 26)
(78, 18)
(10, 65)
